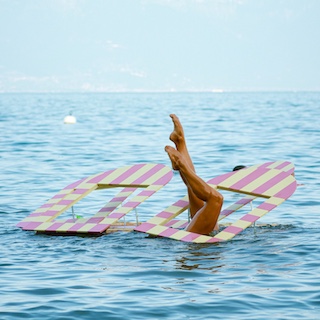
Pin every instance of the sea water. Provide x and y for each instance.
(271, 271)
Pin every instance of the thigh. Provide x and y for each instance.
(206, 218)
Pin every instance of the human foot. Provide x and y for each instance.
(177, 135)
(175, 157)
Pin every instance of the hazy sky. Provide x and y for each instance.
(159, 45)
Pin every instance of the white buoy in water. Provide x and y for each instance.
(70, 119)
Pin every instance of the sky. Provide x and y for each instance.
(159, 45)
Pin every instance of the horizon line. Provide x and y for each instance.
(214, 91)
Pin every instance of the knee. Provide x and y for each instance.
(216, 196)
(220, 198)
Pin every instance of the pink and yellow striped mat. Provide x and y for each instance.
(149, 177)
(272, 181)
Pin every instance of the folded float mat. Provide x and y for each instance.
(274, 182)
(150, 177)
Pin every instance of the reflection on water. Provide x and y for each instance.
(211, 256)
(200, 257)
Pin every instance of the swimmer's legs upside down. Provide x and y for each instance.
(205, 202)
(178, 138)
(205, 219)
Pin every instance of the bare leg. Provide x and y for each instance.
(206, 218)
(178, 138)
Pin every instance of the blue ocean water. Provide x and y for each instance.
(270, 272)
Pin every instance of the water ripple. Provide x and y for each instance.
(268, 272)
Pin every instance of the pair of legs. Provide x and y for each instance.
(205, 202)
